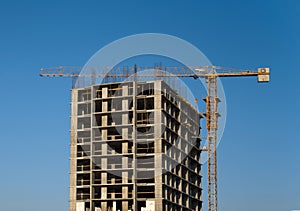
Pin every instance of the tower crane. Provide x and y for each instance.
(209, 73)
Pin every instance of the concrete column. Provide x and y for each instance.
(104, 149)
(104, 163)
(125, 90)
(104, 106)
(124, 162)
(124, 105)
(124, 205)
(104, 92)
(104, 206)
(73, 150)
(104, 134)
(103, 178)
(124, 133)
(104, 120)
(157, 146)
(124, 177)
(125, 192)
(124, 147)
(125, 119)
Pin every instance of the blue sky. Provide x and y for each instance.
(259, 152)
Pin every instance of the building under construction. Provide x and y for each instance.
(134, 146)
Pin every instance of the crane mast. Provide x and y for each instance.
(212, 126)
(209, 73)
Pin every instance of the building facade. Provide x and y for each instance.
(134, 146)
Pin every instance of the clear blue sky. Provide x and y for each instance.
(259, 153)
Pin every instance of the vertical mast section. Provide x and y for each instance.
(212, 101)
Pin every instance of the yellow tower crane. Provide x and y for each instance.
(209, 73)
